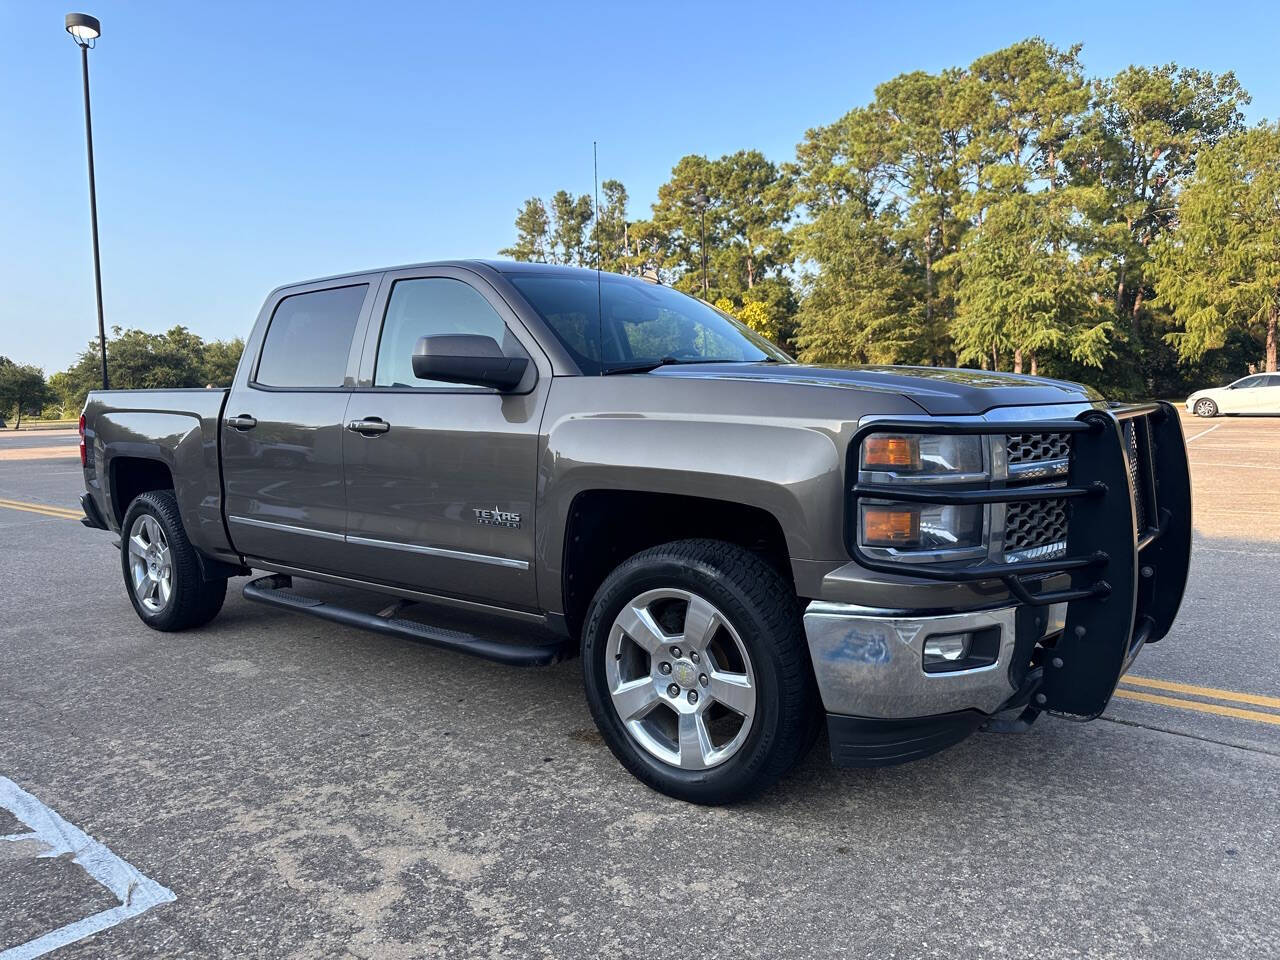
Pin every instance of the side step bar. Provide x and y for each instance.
(277, 591)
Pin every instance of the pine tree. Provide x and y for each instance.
(1221, 270)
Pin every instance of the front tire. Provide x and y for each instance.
(1206, 408)
(696, 671)
(161, 572)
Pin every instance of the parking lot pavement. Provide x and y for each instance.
(38, 444)
(305, 790)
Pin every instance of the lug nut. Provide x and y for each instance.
(673, 690)
(675, 652)
(693, 655)
(664, 667)
(693, 696)
(702, 679)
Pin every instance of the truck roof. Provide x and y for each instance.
(498, 266)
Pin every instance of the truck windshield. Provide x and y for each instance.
(644, 324)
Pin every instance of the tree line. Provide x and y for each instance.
(1014, 214)
(136, 359)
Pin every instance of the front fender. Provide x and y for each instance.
(792, 473)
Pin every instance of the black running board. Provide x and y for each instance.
(277, 591)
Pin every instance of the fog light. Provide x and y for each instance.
(945, 649)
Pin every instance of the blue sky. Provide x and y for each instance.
(244, 145)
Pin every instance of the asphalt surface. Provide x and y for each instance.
(310, 791)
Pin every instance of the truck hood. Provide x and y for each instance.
(941, 391)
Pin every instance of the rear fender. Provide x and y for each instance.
(183, 444)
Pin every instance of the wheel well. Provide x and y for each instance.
(607, 526)
(131, 476)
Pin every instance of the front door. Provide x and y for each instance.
(441, 478)
(1243, 396)
(282, 430)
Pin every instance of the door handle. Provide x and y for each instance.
(368, 426)
(242, 422)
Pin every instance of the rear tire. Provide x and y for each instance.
(1206, 408)
(700, 644)
(161, 572)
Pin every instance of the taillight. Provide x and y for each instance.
(84, 453)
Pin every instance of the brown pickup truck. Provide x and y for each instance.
(523, 461)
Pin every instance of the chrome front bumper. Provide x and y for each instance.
(870, 662)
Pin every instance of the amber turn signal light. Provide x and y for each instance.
(890, 526)
(887, 452)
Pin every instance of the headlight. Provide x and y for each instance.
(923, 531)
(924, 455)
(920, 526)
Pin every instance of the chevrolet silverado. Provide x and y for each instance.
(523, 461)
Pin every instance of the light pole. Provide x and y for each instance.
(84, 30)
(701, 200)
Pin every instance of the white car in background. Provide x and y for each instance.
(1255, 394)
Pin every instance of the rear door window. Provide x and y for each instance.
(309, 338)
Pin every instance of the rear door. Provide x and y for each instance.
(283, 426)
(440, 494)
(1270, 393)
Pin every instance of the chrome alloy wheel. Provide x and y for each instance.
(1205, 408)
(150, 563)
(680, 679)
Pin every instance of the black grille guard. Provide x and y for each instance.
(1126, 583)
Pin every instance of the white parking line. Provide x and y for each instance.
(1203, 432)
(135, 892)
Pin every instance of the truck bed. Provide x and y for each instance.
(178, 428)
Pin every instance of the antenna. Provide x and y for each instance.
(595, 173)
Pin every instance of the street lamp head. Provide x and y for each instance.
(701, 199)
(83, 28)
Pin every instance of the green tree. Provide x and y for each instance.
(533, 234)
(1221, 269)
(1027, 287)
(22, 389)
(741, 203)
(137, 359)
(861, 306)
(1005, 213)
(614, 237)
(570, 218)
(680, 220)
(1142, 144)
(1027, 291)
(562, 236)
(219, 362)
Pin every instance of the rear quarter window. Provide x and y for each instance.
(309, 338)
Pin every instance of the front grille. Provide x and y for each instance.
(1036, 530)
(1028, 448)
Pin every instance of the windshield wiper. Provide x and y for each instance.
(642, 367)
(669, 361)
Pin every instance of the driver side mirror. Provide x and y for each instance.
(467, 358)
